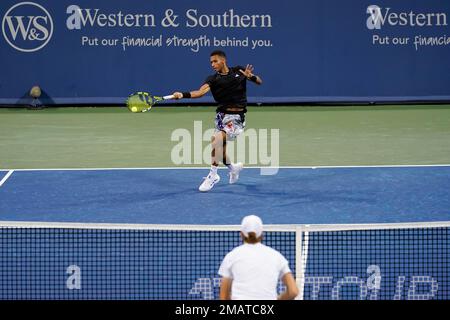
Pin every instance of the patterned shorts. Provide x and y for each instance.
(232, 124)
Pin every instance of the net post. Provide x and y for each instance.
(299, 269)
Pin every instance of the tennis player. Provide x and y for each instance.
(228, 86)
(252, 270)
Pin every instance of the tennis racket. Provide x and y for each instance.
(144, 101)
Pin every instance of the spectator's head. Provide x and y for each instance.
(252, 229)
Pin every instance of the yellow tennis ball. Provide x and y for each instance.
(134, 109)
(35, 92)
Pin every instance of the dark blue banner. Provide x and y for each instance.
(101, 51)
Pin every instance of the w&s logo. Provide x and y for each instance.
(27, 26)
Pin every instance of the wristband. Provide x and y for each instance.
(253, 78)
(186, 94)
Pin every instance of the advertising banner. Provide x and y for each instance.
(305, 51)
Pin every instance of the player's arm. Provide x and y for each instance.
(225, 288)
(248, 72)
(204, 89)
(291, 287)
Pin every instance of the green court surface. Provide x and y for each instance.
(112, 137)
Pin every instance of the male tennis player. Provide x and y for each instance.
(252, 270)
(229, 88)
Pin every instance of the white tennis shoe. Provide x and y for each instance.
(209, 182)
(234, 174)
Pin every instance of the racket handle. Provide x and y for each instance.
(169, 97)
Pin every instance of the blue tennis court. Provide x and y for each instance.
(170, 196)
(111, 259)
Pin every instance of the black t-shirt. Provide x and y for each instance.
(229, 90)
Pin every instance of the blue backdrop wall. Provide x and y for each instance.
(323, 50)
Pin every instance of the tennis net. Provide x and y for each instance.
(112, 261)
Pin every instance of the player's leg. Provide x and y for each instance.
(219, 154)
(234, 125)
(217, 147)
(228, 127)
(234, 168)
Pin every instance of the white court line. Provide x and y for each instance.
(10, 172)
(248, 167)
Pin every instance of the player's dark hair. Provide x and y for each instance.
(218, 53)
(252, 238)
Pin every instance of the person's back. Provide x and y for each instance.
(255, 270)
(252, 270)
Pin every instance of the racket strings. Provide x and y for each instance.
(141, 102)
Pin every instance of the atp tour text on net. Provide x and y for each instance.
(412, 287)
(415, 287)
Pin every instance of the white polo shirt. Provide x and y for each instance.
(255, 270)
